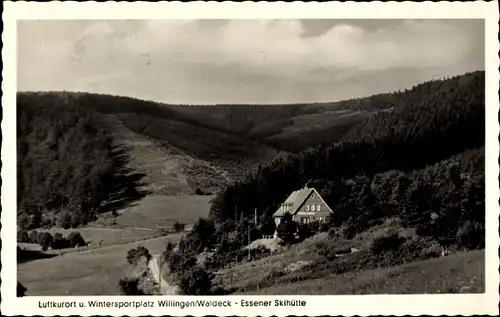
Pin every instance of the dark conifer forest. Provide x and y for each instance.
(68, 170)
(422, 159)
(417, 154)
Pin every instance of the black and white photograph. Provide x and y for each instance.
(261, 156)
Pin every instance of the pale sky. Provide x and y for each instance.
(244, 61)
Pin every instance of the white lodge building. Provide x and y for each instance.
(305, 205)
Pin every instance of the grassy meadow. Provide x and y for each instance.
(161, 212)
(91, 272)
(97, 268)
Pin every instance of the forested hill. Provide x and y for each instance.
(72, 145)
(67, 170)
(425, 125)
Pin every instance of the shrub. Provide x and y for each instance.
(243, 254)
(130, 286)
(178, 227)
(433, 250)
(21, 290)
(64, 219)
(305, 231)
(322, 248)
(23, 221)
(75, 240)
(195, 281)
(35, 221)
(245, 232)
(33, 237)
(275, 273)
(470, 235)
(325, 250)
(59, 242)
(134, 255)
(266, 225)
(22, 236)
(260, 252)
(287, 229)
(46, 240)
(47, 222)
(333, 233)
(201, 236)
(168, 250)
(419, 248)
(178, 261)
(386, 243)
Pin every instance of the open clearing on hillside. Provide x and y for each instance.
(93, 272)
(319, 121)
(158, 211)
(167, 170)
(458, 273)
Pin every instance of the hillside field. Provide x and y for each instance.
(457, 273)
(93, 272)
(161, 212)
(97, 268)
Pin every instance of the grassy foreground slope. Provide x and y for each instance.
(457, 273)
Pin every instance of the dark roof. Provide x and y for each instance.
(295, 200)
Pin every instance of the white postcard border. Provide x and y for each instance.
(455, 304)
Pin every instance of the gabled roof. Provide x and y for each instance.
(296, 200)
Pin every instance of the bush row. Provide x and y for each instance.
(46, 240)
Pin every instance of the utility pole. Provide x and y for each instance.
(255, 216)
(248, 246)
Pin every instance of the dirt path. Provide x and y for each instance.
(165, 287)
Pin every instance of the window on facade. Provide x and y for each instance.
(304, 220)
(318, 208)
(312, 207)
(312, 196)
(307, 207)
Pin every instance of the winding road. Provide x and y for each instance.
(165, 287)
